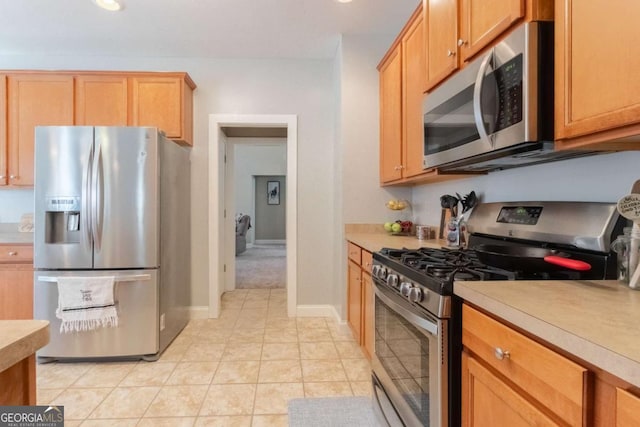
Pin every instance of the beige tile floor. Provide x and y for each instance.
(237, 370)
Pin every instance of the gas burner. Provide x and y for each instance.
(464, 275)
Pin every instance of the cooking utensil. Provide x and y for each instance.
(469, 201)
(450, 202)
(528, 259)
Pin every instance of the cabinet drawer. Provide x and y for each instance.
(16, 253)
(553, 380)
(367, 261)
(355, 253)
(627, 409)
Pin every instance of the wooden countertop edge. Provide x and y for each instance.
(592, 353)
(23, 346)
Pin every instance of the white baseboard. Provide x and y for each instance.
(198, 312)
(318, 311)
(270, 242)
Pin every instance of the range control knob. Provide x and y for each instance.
(405, 288)
(392, 280)
(382, 273)
(415, 294)
(375, 269)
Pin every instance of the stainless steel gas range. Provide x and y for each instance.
(417, 318)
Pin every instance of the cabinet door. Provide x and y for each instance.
(487, 401)
(16, 291)
(441, 36)
(627, 409)
(597, 85)
(157, 101)
(3, 130)
(482, 21)
(412, 86)
(101, 100)
(34, 100)
(391, 117)
(354, 300)
(367, 314)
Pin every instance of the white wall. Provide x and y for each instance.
(362, 197)
(250, 86)
(14, 203)
(602, 178)
(255, 156)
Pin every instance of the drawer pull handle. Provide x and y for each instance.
(501, 354)
(12, 253)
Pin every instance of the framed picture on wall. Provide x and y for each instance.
(273, 192)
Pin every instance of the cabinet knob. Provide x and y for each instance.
(2, 176)
(13, 176)
(450, 53)
(461, 42)
(501, 354)
(13, 253)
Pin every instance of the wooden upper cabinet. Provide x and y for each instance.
(101, 100)
(34, 100)
(482, 21)
(412, 85)
(166, 103)
(441, 38)
(3, 130)
(597, 86)
(391, 117)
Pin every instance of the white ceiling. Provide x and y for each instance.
(195, 28)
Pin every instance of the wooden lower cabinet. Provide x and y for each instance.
(488, 401)
(16, 282)
(360, 300)
(354, 299)
(627, 409)
(526, 376)
(19, 383)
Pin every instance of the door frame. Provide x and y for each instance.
(218, 250)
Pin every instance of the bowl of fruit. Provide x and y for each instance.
(399, 228)
(397, 205)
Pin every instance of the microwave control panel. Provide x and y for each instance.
(508, 79)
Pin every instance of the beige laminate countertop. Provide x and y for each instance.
(20, 339)
(597, 321)
(373, 242)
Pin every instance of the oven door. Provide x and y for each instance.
(410, 361)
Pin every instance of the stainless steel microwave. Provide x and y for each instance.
(497, 112)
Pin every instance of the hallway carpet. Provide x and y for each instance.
(262, 267)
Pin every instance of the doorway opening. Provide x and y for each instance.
(224, 129)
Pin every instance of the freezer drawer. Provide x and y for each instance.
(137, 302)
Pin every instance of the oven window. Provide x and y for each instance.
(403, 351)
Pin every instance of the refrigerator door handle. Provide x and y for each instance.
(87, 202)
(130, 278)
(97, 196)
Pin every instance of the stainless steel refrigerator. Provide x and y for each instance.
(113, 201)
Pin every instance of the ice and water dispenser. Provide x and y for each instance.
(62, 220)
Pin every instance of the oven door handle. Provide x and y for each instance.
(477, 100)
(422, 323)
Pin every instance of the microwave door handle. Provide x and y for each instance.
(477, 99)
